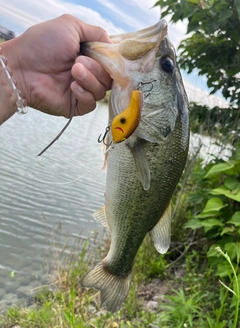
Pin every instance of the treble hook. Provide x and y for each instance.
(146, 87)
(104, 136)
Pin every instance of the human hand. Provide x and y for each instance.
(48, 70)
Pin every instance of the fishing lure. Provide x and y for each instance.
(124, 124)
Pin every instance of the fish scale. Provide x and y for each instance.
(144, 168)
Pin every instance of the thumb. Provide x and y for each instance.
(91, 33)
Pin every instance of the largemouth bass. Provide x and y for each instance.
(144, 168)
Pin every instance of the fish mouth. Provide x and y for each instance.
(147, 34)
(128, 46)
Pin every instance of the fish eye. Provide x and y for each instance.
(167, 64)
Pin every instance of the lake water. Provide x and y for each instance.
(38, 194)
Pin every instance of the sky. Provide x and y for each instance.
(115, 16)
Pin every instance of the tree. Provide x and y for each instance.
(214, 41)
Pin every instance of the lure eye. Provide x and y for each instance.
(167, 64)
(123, 120)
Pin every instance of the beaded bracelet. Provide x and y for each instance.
(21, 103)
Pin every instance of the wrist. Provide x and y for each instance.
(7, 98)
(10, 66)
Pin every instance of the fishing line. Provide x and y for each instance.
(72, 113)
(62, 183)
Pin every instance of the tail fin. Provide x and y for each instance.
(114, 289)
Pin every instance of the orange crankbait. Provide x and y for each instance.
(126, 122)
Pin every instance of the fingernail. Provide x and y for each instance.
(85, 61)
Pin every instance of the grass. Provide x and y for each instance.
(72, 306)
(189, 299)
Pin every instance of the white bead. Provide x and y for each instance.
(21, 103)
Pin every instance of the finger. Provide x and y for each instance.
(96, 69)
(92, 33)
(86, 101)
(88, 81)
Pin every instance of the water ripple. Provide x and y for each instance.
(65, 185)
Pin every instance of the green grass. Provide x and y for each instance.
(191, 297)
(72, 306)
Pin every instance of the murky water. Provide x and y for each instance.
(65, 185)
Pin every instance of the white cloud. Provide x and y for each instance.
(176, 32)
(139, 15)
(33, 12)
(19, 14)
(133, 12)
(118, 13)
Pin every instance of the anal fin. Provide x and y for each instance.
(161, 233)
(100, 216)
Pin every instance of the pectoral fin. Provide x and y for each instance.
(161, 233)
(141, 164)
(100, 216)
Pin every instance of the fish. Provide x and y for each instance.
(145, 164)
